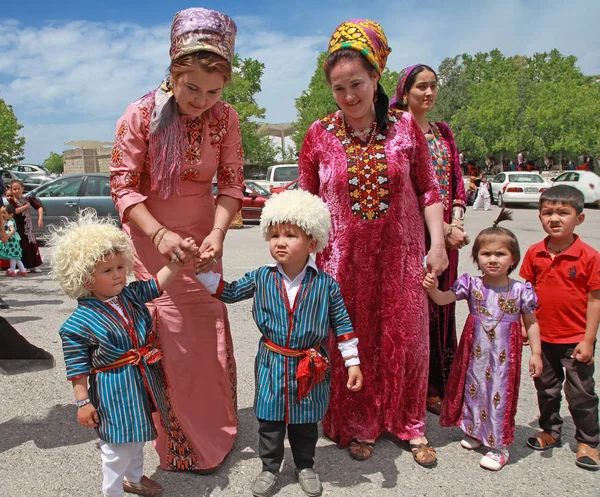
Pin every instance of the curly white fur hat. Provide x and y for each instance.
(301, 208)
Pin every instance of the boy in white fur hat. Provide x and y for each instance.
(295, 306)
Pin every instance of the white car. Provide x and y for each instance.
(519, 187)
(586, 182)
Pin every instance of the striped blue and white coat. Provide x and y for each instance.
(95, 336)
(320, 308)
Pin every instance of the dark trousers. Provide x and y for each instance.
(579, 391)
(303, 441)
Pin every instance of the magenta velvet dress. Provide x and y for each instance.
(375, 252)
(483, 388)
(192, 326)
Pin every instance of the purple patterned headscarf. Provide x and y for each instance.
(193, 30)
(400, 87)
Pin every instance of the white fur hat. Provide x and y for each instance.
(301, 208)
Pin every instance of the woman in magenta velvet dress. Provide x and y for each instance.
(416, 93)
(168, 146)
(372, 168)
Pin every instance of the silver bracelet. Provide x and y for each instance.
(218, 228)
(81, 403)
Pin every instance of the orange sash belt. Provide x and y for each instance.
(311, 369)
(133, 357)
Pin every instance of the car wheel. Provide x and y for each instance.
(500, 201)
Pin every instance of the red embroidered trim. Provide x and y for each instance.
(346, 336)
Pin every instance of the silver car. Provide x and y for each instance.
(67, 195)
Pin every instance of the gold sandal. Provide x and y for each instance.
(424, 454)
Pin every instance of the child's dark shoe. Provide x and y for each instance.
(543, 441)
(264, 484)
(587, 457)
(309, 481)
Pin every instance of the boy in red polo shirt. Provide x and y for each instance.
(566, 275)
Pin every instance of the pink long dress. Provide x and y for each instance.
(193, 327)
(375, 252)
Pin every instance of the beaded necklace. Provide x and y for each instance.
(359, 148)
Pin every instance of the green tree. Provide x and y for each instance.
(11, 144)
(317, 100)
(54, 163)
(241, 93)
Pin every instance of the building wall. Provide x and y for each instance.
(87, 160)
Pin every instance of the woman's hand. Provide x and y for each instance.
(173, 247)
(210, 251)
(437, 260)
(456, 239)
(87, 416)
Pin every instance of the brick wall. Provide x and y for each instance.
(87, 160)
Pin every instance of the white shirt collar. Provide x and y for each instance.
(309, 263)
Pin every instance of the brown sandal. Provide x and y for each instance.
(543, 441)
(148, 488)
(424, 454)
(360, 450)
(434, 405)
(587, 457)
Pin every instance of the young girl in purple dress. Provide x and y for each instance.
(483, 386)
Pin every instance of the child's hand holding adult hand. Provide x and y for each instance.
(430, 282)
(355, 378)
(535, 365)
(87, 416)
(584, 352)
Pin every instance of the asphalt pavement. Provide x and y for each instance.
(45, 453)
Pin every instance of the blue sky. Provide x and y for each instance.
(70, 68)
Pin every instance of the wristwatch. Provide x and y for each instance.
(81, 403)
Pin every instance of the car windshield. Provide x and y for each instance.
(285, 173)
(525, 178)
(259, 189)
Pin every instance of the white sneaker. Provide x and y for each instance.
(494, 460)
(470, 443)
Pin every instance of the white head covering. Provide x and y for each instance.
(301, 208)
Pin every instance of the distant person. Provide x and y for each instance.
(109, 343)
(548, 163)
(512, 166)
(505, 164)
(483, 388)
(462, 162)
(565, 273)
(32, 258)
(472, 168)
(489, 164)
(483, 200)
(296, 224)
(10, 250)
(571, 165)
(521, 161)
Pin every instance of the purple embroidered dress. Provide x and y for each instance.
(483, 387)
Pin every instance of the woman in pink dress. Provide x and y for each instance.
(372, 168)
(168, 146)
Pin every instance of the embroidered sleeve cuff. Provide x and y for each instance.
(211, 281)
(352, 362)
(346, 336)
(349, 351)
(160, 290)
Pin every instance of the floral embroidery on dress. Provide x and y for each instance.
(440, 156)
(122, 131)
(116, 158)
(368, 180)
(473, 390)
(145, 105)
(502, 357)
(478, 351)
(492, 440)
(497, 400)
(226, 175)
(488, 373)
(192, 156)
(509, 305)
(190, 174)
(218, 125)
(132, 179)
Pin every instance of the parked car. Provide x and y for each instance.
(520, 187)
(292, 185)
(587, 182)
(258, 188)
(67, 195)
(253, 202)
(31, 169)
(29, 182)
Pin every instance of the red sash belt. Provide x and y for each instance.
(133, 357)
(311, 369)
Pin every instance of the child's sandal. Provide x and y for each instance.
(543, 441)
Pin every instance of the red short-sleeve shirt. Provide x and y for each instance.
(562, 285)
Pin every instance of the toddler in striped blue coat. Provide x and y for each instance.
(295, 308)
(108, 341)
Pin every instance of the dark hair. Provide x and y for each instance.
(496, 233)
(410, 82)
(563, 194)
(10, 208)
(17, 181)
(382, 103)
